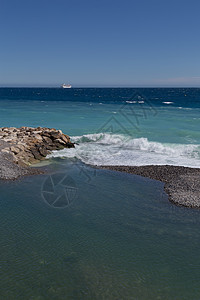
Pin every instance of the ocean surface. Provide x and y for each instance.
(83, 233)
(114, 126)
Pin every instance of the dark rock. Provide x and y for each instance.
(46, 133)
(55, 135)
(43, 151)
(36, 153)
(47, 140)
(70, 145)
(65, 138)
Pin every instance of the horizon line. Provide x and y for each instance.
(100, 86)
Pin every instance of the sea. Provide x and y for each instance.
(80, 232)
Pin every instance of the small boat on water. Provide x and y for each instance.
(66, 86)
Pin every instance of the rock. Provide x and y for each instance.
(43, 151)
(20, 134)
(46, 133)
(47, 140)
(36, 131)
(69, 145)
(65, 138)
(38, 137)
(51, 147)
(28, 145)
(9, 170)
(20, 146)
(7, 140)
(15, 150)
(36, 154)
(5, 151)
(59, 141)
(55, 135)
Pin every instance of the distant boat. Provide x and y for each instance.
(66, 86)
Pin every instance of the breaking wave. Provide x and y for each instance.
(117, 149)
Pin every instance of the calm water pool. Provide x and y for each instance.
(111, 236)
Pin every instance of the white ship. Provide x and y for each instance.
(66, 86)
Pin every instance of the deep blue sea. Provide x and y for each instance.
(83, 233)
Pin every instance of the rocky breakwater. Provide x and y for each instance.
(21, 147)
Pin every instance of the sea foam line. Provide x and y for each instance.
(116, 149)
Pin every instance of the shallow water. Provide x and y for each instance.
(114, 236)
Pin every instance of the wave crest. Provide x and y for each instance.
(117, 149)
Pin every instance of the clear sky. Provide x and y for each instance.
(99, 42)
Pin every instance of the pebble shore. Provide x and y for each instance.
(9, 170)
(182, 184)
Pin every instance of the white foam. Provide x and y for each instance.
(131, 101)
(116, 149)
(184, 108)
(168, 102)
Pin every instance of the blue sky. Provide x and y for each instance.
(99, 43)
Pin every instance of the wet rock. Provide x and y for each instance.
(70, 145)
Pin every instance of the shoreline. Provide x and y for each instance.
(23, 147)
(182, 184)
(9, 170)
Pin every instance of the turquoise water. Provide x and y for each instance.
(116, 133)
(83, 233)
(166, 123)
